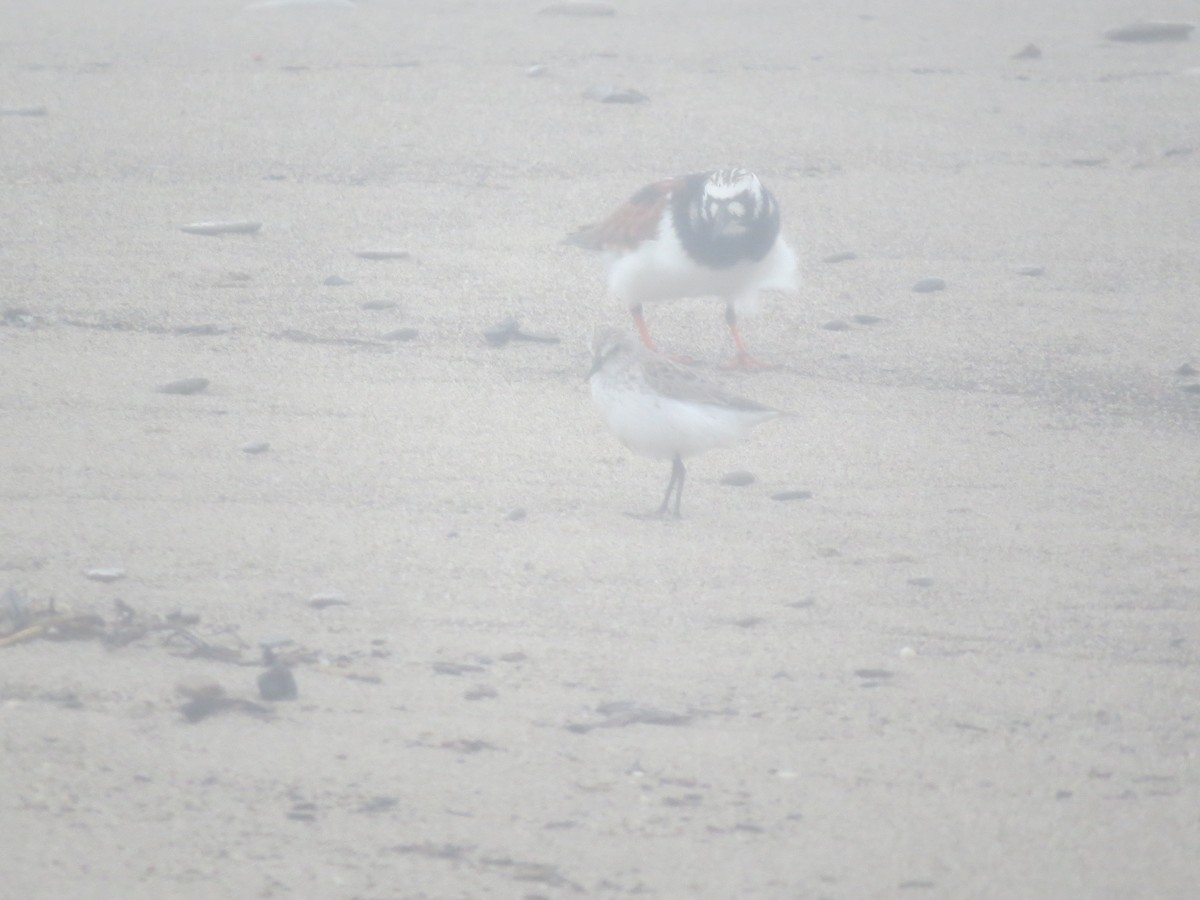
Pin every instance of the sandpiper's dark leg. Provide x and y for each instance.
(675, 485)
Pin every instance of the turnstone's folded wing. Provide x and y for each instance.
(637, 220)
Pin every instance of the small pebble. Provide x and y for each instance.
(382, 254)
(929, 285)
(867, 319)
(337, 281)
(380, 304)
(1151, 32)
(401, 334)
(921, 582)
(277, 683)
(836, 325)
(738, 479)
(197, 687)
(215, 228)
(22, 110)
(184, 386)
(792, 495)
(907, 652)
(610, 93)
(844, 256)
(1029, 51)
(254, 447)
(1031, 271)
(517, 514)
(105, 574)
(326, 599)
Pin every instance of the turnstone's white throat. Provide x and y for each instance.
(708, 234)
(660, 409)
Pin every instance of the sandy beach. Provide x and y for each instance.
(967, 665)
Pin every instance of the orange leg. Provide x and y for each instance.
(636, 311)
(743, 360)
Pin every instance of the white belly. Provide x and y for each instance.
(660, 427)
(661, 270)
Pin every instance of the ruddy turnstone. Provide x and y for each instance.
(660, 409)
(707, 234)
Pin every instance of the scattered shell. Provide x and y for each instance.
(380, 304)
(481, 692)
(836, 325)
(1029, 51)
(907, 652)
(844, 256)
(1031, 271)
(382, 254)
(184, 386)
(277, 683)
(929, 285)
(401, 334)
(792, 495)
(105, 574)
(578, 8)
(326, 599)
(254, 447)
(537, 70)
(336, 281)
(1149, 32)
(22, 110)
(737, 479)
(867, 319)
(610, 93)
(213, 228)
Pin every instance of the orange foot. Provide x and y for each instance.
(747, 363)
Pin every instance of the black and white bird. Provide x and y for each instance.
(709, 234)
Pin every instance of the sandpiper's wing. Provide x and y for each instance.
(635, 221)
(679, 383)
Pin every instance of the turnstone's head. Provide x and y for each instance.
(733, 199)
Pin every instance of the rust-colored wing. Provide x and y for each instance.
(632, 223)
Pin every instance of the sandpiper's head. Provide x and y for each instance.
(610, 346)
(733, 199)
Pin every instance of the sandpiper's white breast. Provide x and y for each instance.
(662, 427)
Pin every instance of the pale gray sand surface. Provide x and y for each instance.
(968, 666)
